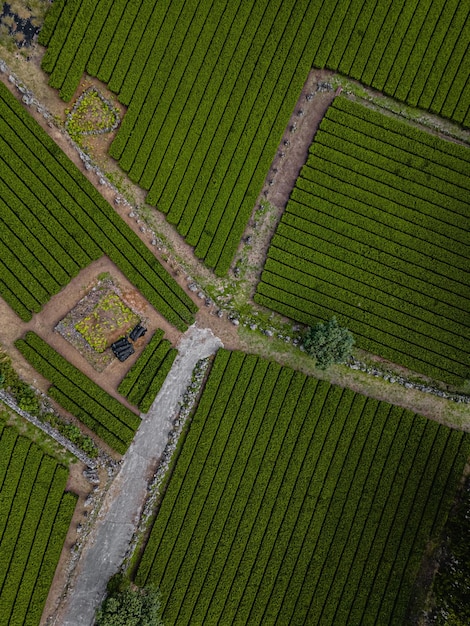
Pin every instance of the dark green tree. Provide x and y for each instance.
(328, 342)
(129, 606)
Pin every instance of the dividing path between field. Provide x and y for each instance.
(119, 516)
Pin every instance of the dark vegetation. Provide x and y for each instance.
(210, 86)
(451, 587)
(376, 233)
(104, 415)
(328, 343)
(294, 501)
(128, 605)
(54, 223)
(35, 514)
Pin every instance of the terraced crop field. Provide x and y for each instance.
(376, 232)
(54, 223)
(294, 501)
(35, 515)
(104, 415)
(210, 86)
(145, 378)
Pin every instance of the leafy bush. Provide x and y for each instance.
(130, 607)
(329, 343)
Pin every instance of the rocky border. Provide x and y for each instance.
(106, 101)
(47, 428)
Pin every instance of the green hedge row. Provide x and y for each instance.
(404, 164)
(76, 60)
(39, 175)
(415, 51)
(107, 217)
(129, 380)
(34, 519)
(137, 18)
(377, 234)
(42, 223)
(22, 533)
(56, 29)
(98, 410)
(395, 130)
(8, 437)
(364, 235)
(293, 499)
(144, 380)
(73, 44)
(199, 135)
(158, 380)
(12, 468)
(181, 473)
(50, 22)
(33, 608)
(109, 29)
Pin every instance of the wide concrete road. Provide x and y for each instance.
(109, 540)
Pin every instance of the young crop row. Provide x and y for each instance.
(375, 233)
(157, 137)
(144, 380)
(102, 413)
(34, 520)
(206, 109)
(45, 189)
(415, 51)
(295, 501)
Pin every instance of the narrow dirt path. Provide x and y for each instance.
(120, 513)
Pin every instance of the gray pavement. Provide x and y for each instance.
(109, 540)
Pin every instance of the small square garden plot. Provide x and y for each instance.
(99, 319)
(109, 316)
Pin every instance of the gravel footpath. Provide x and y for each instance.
(109, 540)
